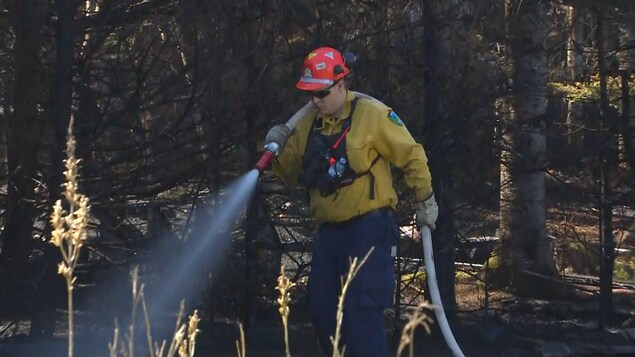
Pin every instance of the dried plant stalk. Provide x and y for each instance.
(69, 228)
(112, 347)
(284, 286)
(183, 341)
(352, 272)
(240, 344)
(137, 297)
(146, 320)
(192, 332)
(420, 317)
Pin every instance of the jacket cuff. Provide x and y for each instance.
(422, 195)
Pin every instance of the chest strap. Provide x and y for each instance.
(346, 127)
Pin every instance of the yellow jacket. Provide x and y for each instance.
(375, 130)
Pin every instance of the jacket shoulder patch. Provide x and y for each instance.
(395, 118)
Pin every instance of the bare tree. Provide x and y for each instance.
(575, 42)
(522, 213)
(24, 129)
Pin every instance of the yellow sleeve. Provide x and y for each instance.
(289, 163)
(395, 143)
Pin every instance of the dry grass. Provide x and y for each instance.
(355, 266)
(284, 287)
(69, 235)
(240, 344)
(419, 318)
(69, 229)
(183, 343)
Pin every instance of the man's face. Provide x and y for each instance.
(329, 100)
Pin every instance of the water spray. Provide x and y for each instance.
(207, 250)
(272, 150)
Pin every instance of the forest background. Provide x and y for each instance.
(524, 108)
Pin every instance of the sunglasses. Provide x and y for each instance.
(324, 92)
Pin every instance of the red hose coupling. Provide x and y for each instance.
(265, 160)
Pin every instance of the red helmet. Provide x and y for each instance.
(322, 67)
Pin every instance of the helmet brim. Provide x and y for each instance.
(310, 87)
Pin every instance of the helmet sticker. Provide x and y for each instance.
(395, 118)
(311, 55)
(308, 73)
(329, 54)
(320, 66)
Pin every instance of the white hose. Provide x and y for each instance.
(427, 249)
(293, 121)
(431, 274)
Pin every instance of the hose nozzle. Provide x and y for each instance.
(271, 150)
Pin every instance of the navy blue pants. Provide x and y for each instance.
(370, 292)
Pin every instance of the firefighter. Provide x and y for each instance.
(342, 153)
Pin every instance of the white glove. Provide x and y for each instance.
(278, 134)
(427, 213)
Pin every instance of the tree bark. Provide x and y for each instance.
(607, 164)
(627, 37)
(627, 66)
(575, 43)
(576, 71)
(23, 134)
(437, 48)
(522, 213)
(48, 293)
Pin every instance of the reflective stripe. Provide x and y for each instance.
(315, 80)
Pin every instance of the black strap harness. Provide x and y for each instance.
(325, 165)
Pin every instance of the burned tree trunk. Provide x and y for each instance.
(607, 163)
(522, 198)
(23, 134)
